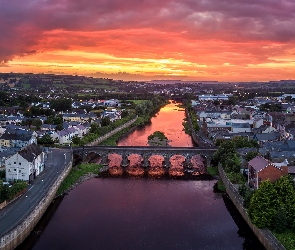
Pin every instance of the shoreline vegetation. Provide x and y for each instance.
(78, 175)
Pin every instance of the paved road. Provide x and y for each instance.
(14, 213)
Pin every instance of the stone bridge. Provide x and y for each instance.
(87, 153)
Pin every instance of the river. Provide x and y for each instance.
(144, 213)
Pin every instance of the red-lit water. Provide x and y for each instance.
(169, 121)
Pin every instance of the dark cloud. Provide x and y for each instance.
(27, 25)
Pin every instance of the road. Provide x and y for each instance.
(15, 212)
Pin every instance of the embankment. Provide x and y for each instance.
(107, 135)
(268, 240)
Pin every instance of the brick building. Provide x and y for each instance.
(261, 169)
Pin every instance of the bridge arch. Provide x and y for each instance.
(204, 155)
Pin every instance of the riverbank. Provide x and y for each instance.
(78, 175)
(140, 122)
(268, 240)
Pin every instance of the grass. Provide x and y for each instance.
(287, 239)
(76, 173)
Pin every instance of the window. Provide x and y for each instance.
(19, 171)
(14, 170)
(14, 162)
(20, 163)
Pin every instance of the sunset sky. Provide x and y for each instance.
(224, 40)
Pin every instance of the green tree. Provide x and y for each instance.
(61, 104)
(35, 111)
(280, 221)
(37, 123)
(46, 140)
(76, 140)
(124, 113)
(105, 121)
(57, 120)
(94, 128)
(263, 205)
(232, 163)
(286, 196)
(250, 155)
(59, 127)
(226, 148)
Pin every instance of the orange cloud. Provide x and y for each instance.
(208, 40)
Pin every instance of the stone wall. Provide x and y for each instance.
(268, 240)
(17, 235)
(3, 204)
(106, 136)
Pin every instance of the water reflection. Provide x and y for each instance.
(135, 162)
(156, 166)
(169, 121)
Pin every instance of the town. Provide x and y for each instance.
(43, 111)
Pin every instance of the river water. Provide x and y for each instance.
(144, 213)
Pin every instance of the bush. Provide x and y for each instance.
(212, 171)
(236, 178)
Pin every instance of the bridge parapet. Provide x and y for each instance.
(85, 153)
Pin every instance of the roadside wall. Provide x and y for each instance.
(196, 138)
(17, 235)
(106, 136)
(268, 240)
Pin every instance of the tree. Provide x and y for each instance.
(57, 120)
(76, 140)
(251, 155)
(280, 221)
(94, 128)
(46, 140)
(140, 109)
(286, 196)
(37, 123)
(226, 148)
(59, 127)
(232, 163)
(61, 104)
(105, 121)
(264, 205)
(124, 113)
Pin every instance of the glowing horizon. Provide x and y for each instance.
(147, 40)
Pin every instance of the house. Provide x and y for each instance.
(48, 127)
(112, 103)
(261, 169)
(17, 140)
(25, 164)
(264, 137)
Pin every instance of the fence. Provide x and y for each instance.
(268, 240)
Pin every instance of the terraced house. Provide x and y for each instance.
(26, 164)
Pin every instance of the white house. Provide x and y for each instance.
(26, 164)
